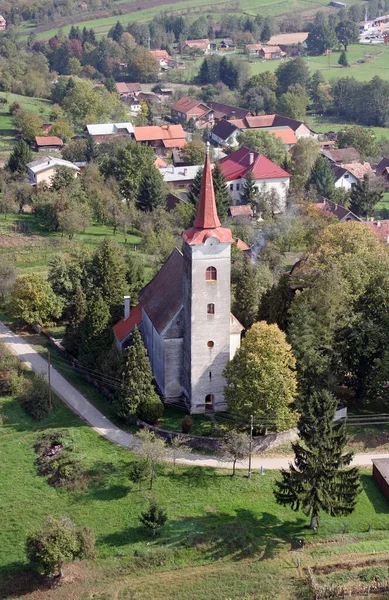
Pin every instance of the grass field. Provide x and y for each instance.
(324, 124)
(30, 247)
(7, 131)
(222, 535)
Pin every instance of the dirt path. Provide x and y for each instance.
(82, 407)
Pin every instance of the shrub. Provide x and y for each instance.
(67, 471)
(139, 472)
(14, 108)
(186, 424)
(150, 411)
(155, 557)
(36, 400)
(154, 517)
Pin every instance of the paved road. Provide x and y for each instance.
(81, 406)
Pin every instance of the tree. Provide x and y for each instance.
(347, 33)
(318, 480)
(7, 205)
(74, 219)
(234, 446)
(363, 199)
(261, 378)
(96, 333)
(293, 103)
(265, 143)
(194, 152)
(62, 178)
(59, 542)
(305, 153)
(8, 276)
(108, 275)
(249, 193)
(33, 300)
(62, 129)
(361, 138)
(152, 192)
(20, 156)
(142, 66)
(194, 190)
(137, 386)
(152, 448)
(36, 400)
(139, 472)
(265, 33)
(29, 124)
(320, 39)
(260, 99)
(250, 283)
(343, 62)
(321, 177)
(178, 442)
(154, 517)
(222, 195)
(116, 32)
(292, 72)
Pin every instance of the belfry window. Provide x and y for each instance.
(210, 309)
(211, 274)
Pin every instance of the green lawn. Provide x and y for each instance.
(7, 131)
(325, 124)
(215, 522)
(30, 247)
(382, 208)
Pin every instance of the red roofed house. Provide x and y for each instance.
(189, 109)
(49, 143)
(271, 52)
(184, 312)
(161, 56)
(240, 210)
(267, 174)
(204, 44)
(3, 23)
(380, 229)
(162, 138)
(126, 90)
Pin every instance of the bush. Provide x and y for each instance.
(14, 108)
(154, 517)
(150, 411)
(36, 400)
(139, 472)
(12, 379)
(67, 471)
(186, 424)
(155, 557)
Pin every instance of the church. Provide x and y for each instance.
(184, 313)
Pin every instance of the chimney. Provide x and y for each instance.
(387, 239)
(127, 306)
(185, 172)
(251, 158)
(378, 223)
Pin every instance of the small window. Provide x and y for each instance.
(211, 274)
(210, 344)
(346, 176)
(210, 309)
(237, 187)
(231, 187)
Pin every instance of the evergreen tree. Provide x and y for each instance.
(96, 333)
(204, 75)
(318, 480)
(137, 388)
(265, 33)
(154, 517)
(363, 199)
(321, 177)
(249, 194)
(108, 276)
(91, 149)
(194, 190)
(343, 59)
(20, 156)
(116, 32)
(152, 192)
(72, 339)
(222, 196)
(251, 282)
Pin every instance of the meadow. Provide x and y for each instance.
(224, 534)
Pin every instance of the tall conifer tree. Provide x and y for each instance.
(318, 480)
(321, 177)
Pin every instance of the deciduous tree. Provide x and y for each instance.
(33, 300)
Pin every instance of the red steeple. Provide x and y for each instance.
(207, 222)
(207, 217)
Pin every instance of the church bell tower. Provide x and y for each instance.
(207, 303)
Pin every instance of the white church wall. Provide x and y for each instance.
(173, 367)
(234, 344)
(155, 347)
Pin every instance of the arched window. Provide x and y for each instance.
(211, 274)
(210, 309)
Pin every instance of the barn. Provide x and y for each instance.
(381, 474)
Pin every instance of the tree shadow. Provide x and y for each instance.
(21, 581)
(374, 493)
(200, 477)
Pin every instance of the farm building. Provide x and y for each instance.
(381, 474)
(50, 143)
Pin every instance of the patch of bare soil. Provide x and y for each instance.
(17, 241)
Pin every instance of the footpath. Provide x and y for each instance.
(93, 417)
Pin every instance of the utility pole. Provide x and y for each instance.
(48, 377)
(251, 444)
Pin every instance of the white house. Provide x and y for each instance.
(343, 178)
(179, 177)
(238, 164)
(43, 169)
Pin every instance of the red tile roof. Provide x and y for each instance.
(240, 162)
(163, 132)
(124, 327)
(241, 245)
(50, 140)
(160, 163)
(241, 210)
(260, 121)
(380, 229)
(187, 104)
(254, 47)
(160, 54)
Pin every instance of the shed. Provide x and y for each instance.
(381, 474)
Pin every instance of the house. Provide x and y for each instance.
(271, 52)
(126, 90)
(49, 143)
(173, 199)
(225, 133)
(43, 169)
(380, 229)
(123, 329)
(162, 138)
(188, 109)
(203, 44)
(270, 121)
(179, 177)
(161, 56)
(186, 323)
(359, 170)
(342, 155)
(338, 211)
(107, 131)
(3, 23)
(267, 175)
(226, 111)
(243, 247)
(382, 167)
(253, 49)
(343, 178)
(285, 134)
(381, 474)
(240, 210)
(227, 44)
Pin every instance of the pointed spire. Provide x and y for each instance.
(207, 217)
